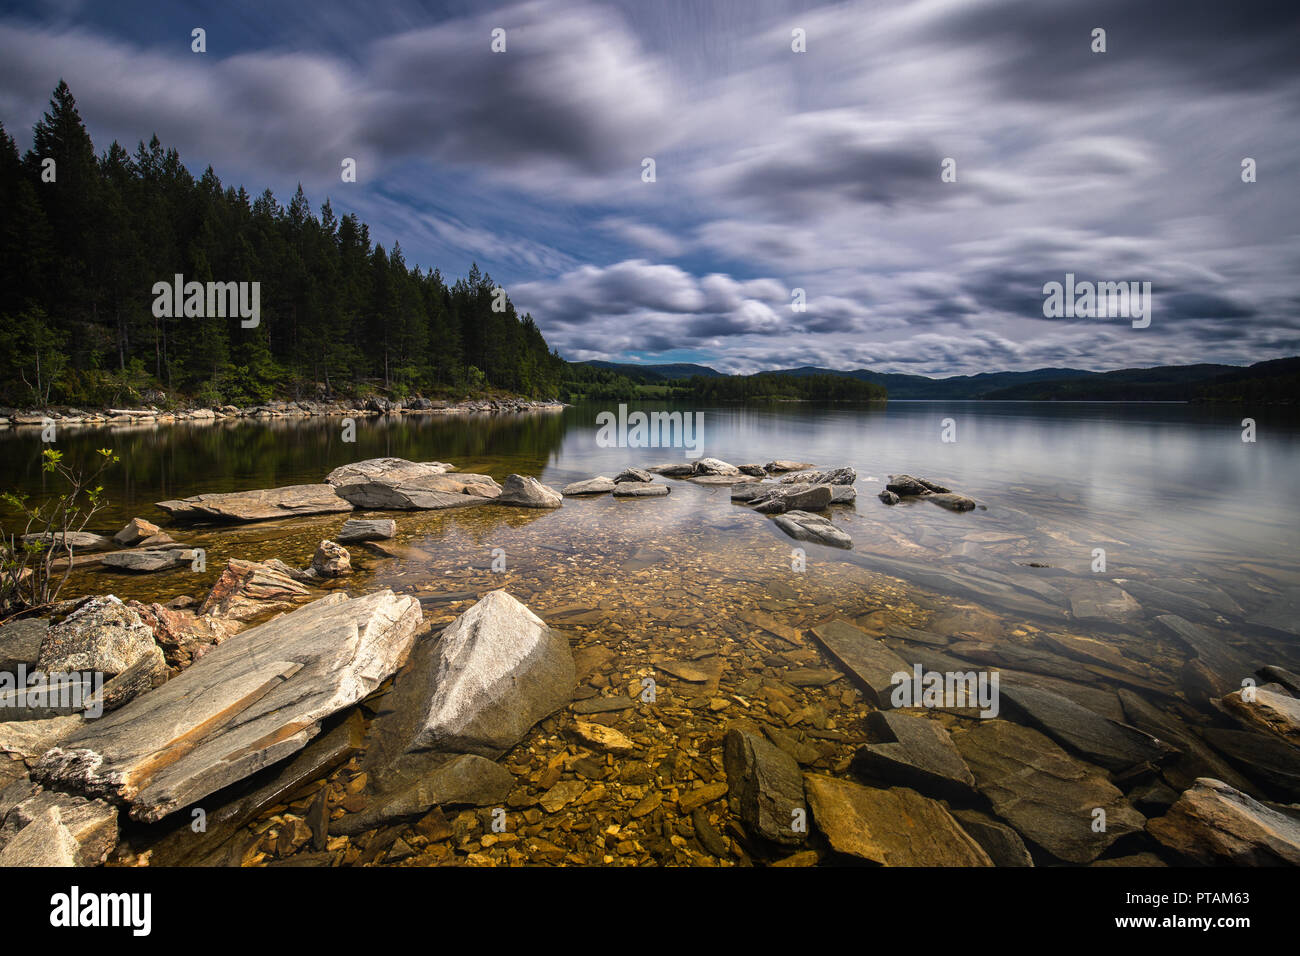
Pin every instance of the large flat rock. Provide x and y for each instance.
(766, 784)
(1047, 795)
(260, 505)
(391, 470)
(1216, 825)
(1225, 664)
(895, 827)
(430, 492)
(247, 703)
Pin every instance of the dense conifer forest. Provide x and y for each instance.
(339, 314)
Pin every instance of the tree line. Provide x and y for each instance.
(84, 238)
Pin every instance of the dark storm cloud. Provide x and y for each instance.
(776, 171)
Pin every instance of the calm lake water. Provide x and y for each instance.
(1193, 521)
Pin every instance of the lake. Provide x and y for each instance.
(1193, 522)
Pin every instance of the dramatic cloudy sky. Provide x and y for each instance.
(775, 170)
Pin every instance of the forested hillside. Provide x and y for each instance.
(79, 257)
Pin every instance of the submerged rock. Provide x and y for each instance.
(1216, 825)
(358, 529)
(600, 485)
(1110, 744)
(1000, 842)
(766, 784)
(868, 661)
(889, 497)
(895, 827)
(1046, 794)
(259, 505)
(246, 704)
(525, 492)
(915, 752)
(465, 780)
(953, 502)
(803, 526)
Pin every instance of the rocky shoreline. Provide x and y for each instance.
(311, 727)
(16, 418)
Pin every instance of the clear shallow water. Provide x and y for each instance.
(1193, 521)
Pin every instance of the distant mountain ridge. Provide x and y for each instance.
(1277, 380)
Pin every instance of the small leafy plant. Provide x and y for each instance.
(28, 576)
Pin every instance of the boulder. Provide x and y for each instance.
(803, 526)
(755, 471)
(914, 752)
(524, 492)
(889, 497)
(836, 476)
(1047, 795)
(136, 530)
(247, 704)
(908, 486)
(359, 529)
(101, 634)
(386, 470)
(146, 562)
(495, 671)
(261, 505)
(801, 497)
(331, 560)
(636, 489)
(713, 466)
(1214, 824)
(895, 827)
(766, 783)
(600, 485)
(633, 474)
(248, 589)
